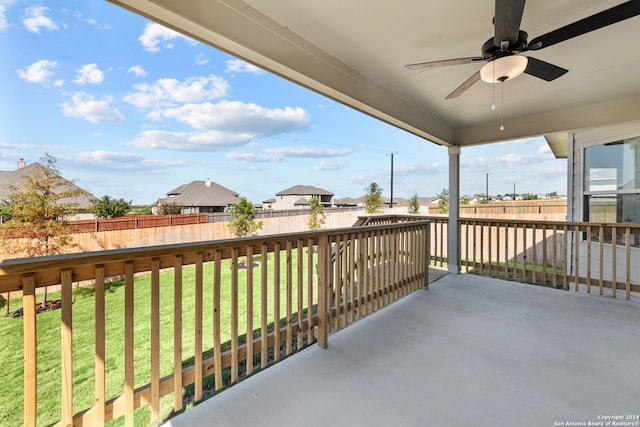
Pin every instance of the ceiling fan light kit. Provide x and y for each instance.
(502, 69)
(503, 51)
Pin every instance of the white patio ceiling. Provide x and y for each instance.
(354, 52)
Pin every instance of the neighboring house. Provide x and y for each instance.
(15, 178)
(298, 197)
(268, 204)
(199, 197)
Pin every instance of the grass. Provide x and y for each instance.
(48, 335)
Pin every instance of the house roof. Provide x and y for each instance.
(304, 190)
(355, 53)
(198, 193)
(15, 178)
(301, 201)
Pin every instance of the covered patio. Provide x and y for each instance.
(470, 351)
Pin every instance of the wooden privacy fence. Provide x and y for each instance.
(234, 306)
(130, 222)
(551, 253)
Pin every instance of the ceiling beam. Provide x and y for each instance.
(584, 116)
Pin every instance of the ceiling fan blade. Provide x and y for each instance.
(543, 70)
(475, 78)
(507, 21)
(446, 62)
(594, 22)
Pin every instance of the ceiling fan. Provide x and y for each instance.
(502, 51)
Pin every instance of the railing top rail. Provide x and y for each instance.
(48, 267)
(570, 224)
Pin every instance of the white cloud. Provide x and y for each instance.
(201, 59)
(167, 92)
(101, 156)
(4, 24)
(138, 71)
(299, 151)
(329, 166)
(35, 19)
(154, 33)
(80, 17)
(235, 116)
(239, 66)
(89, 73)
(84, 106)
(190, 141)
(38, 72)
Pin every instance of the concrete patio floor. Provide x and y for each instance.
(470, 351)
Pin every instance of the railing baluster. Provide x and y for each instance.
(276, 301)
(490, 246)
(99, 358)
(264, 340)
(289, 297)
(534, 254)
(576, 257)
(300, 289)
(234, 315)
(217, 306)
(340, 285)
(310, 269)
(601, 259)
(544, 254)
(614, 262)
(177, 333)
(514, 270)
(249, 303)
(197, 395)
(128, 344)
(554, 260)
(351, 271)
(567, 254)
(155, 339)
(588, 242)
(627, 250)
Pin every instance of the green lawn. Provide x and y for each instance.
(48, 330)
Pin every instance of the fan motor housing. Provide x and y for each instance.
(491, 51)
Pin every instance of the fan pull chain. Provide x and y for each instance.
(502, 105)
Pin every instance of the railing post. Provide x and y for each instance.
(30, 350)
(323, 289)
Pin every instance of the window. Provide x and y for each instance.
(612, 182)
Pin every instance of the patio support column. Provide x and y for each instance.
(453, 244)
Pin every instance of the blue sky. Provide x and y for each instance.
(131, 109)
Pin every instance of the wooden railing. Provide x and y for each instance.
(223, 321)
(567, 255)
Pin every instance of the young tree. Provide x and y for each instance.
(243, 219)
(38, 210)
(465, 199)
(373, 198)
(169, 209)
(414, 206)
(317, 215)
(106, 207)
(443, 203)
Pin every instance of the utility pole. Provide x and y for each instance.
(487, 189)
(391, 200)
(514, 191)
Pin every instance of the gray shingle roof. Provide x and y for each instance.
(304, 190)
(18, 176)
(197, 193)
